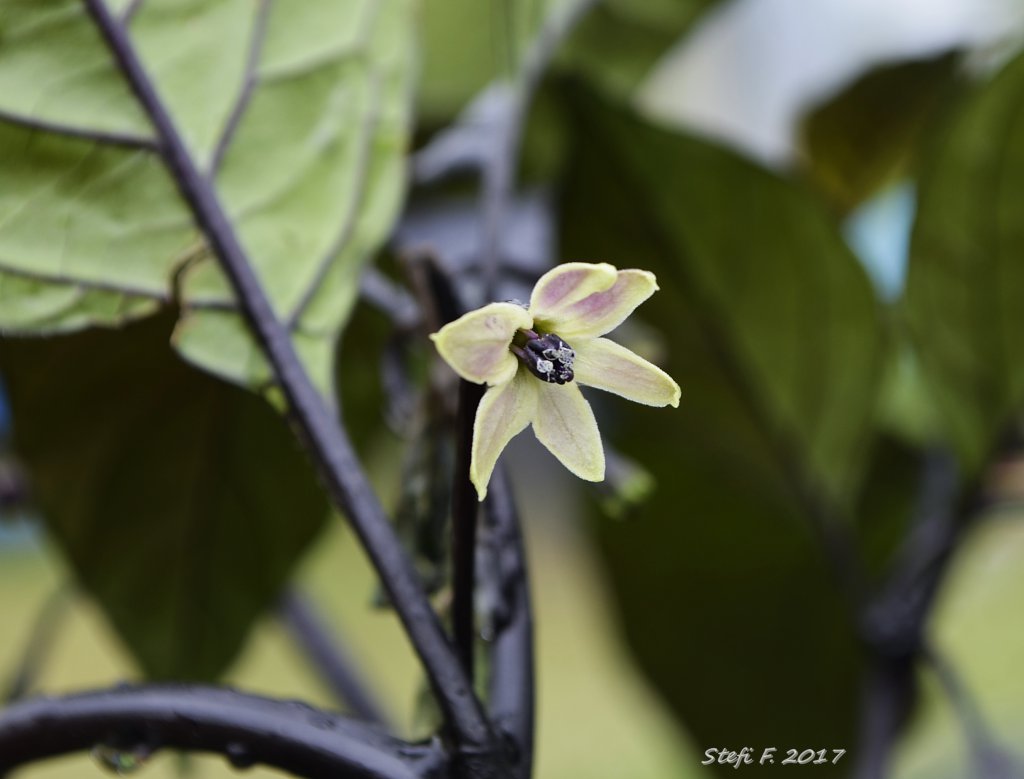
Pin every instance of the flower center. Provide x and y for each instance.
(545, 355)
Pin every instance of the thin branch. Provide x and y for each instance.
(134, 6)
(389, 298)
(545, 46)
(330, 657)
(247, 729)
(512, 693)
(988, 758)
(498, 184)
(40, 642)
(13, 482)
(977, 730)
(488, 134)
(890, 691)
(324, 440)
(465, 509)
(401, 393)
(258, 35)
(893, 622)
(105, 137)
(500, 173)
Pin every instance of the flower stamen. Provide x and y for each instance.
(545, 355)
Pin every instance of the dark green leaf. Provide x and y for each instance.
(774, 336)
(888, 500)
(966, 278)
(180, 502)
(788, 308)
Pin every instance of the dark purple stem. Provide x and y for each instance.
(247, 729)
(464, 524)
(512, 683)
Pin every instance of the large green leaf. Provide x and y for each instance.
(966, 277)
(181, 502)
(794, 316)
(773, 333)
(299, 114)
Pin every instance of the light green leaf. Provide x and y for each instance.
(299, 113)
(29, 304)
(966, 278)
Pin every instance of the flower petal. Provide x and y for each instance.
(504, 412)
(565, 424)
(603, 310)
(608, 366)
(566, 284)
(476, 344)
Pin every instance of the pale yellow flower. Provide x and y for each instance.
(534, 359)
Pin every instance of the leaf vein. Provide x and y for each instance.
(104, 137)
(348, 223)
(249, 82)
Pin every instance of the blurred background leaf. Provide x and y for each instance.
(776, 340)
(180, 502)
(789, 309)
(966, 280)
(615, 44)
(619, 41)
(465, 46)
(299, 114)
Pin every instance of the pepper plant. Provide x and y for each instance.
(237, 234)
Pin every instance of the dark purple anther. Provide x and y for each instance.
(546, 356)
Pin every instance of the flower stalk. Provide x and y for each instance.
(464, 529)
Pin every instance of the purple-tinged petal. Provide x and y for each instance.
(565, 424)
(608, 366)
(604, 310)
(503, 413)
(476, 345)
(567, 284)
